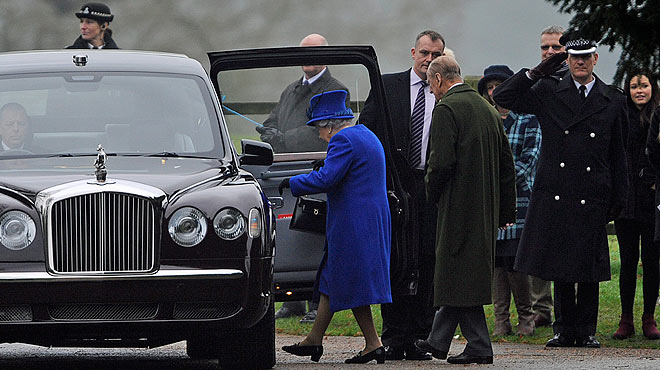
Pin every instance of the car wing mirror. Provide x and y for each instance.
(276, 202)
(255, 153)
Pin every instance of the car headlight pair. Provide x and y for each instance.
(17, 230)
(188, 225)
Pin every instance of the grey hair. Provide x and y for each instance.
(447, 67)
(553, 29)
(335, 123)
(432, 34)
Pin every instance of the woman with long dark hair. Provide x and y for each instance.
(635, 223)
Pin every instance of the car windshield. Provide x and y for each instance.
(71, 114)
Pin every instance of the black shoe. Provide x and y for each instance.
(309, 317)
(560, 340)
(314, 351)
(285, 312)
(416, 354)
(464, 358)
(378, 354)
(425, 346)
(588, 341)
(393, 354)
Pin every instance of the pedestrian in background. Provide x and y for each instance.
(95, 32)
(524, 136)
(470, 177)
(354, 273)
(635, 225)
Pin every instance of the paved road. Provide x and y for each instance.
(511, 356)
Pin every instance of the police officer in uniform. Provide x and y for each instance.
(580, 183)
(95, 32)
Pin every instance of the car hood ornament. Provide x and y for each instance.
(101, 158)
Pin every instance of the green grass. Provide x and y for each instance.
(343, 323)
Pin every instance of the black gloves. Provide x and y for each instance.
(548, 66)
(317, 164)
(283, 184)
(271, 135)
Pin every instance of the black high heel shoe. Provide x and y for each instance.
(314, 351)
(378, 354)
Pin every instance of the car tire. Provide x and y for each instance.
(252, 348)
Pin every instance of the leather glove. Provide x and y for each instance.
(271, 135)
(317, 164)
(282, 185)
(548, 66)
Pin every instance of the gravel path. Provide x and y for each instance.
(507, 356)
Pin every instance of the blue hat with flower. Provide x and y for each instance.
(328, 105)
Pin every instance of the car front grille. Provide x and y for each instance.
(204, 310)
(103, 232)
(116, 311)
(15, 313)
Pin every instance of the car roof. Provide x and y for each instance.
(97, 61)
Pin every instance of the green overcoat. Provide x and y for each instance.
(470, 176)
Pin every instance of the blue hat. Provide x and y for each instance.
(494, 72)
(328, 105)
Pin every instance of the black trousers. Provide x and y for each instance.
(409, 318)
(629, 234)
(579, 310)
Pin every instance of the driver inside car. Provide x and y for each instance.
(15, 129)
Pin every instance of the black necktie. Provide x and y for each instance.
(417, 128)
(583, 92)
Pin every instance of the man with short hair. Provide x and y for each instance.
(285, 127)
(14, 128)
(540, 290)
(580, 184)
(286, 131)
(470, 176)
(410, 315)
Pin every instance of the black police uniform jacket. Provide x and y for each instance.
(79, 43)
(581, 179)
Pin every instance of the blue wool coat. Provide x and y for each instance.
(358, 228)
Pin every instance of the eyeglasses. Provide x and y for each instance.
(554, 47)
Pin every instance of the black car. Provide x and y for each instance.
(125, 216)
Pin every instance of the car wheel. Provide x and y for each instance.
(253, 348)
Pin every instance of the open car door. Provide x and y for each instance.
(253, 85)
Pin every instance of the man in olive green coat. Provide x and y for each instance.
(470, 176)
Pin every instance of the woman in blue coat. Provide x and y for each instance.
(354, 272)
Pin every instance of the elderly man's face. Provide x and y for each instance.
(13, 128)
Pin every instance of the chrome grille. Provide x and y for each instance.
(103, 232)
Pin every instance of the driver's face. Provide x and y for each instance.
(13, 128)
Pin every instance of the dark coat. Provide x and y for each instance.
(581, 178)
(358, 226)
(290, 118)
(79, 43)
(471, 178)
(641, 176)
(653, 153)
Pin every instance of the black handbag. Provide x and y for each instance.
(309, 215)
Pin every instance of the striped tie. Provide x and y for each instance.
(417, 128)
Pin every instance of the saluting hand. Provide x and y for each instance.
(548, 66)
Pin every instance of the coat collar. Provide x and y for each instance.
(460, 88)
(596, 101)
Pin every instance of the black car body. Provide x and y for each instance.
(125, 217)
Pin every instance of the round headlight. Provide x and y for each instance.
(187, 227)
(17, 230)
(229, 223)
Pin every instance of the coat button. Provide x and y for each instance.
(588, 169)
(592, 134)
(556, 197)
(562, 165)
(566, 132)
(582, 201)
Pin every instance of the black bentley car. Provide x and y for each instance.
(138, 206)
(125, 216)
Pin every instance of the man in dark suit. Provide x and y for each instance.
(410, 315)
(580, 182)
(14, 128)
